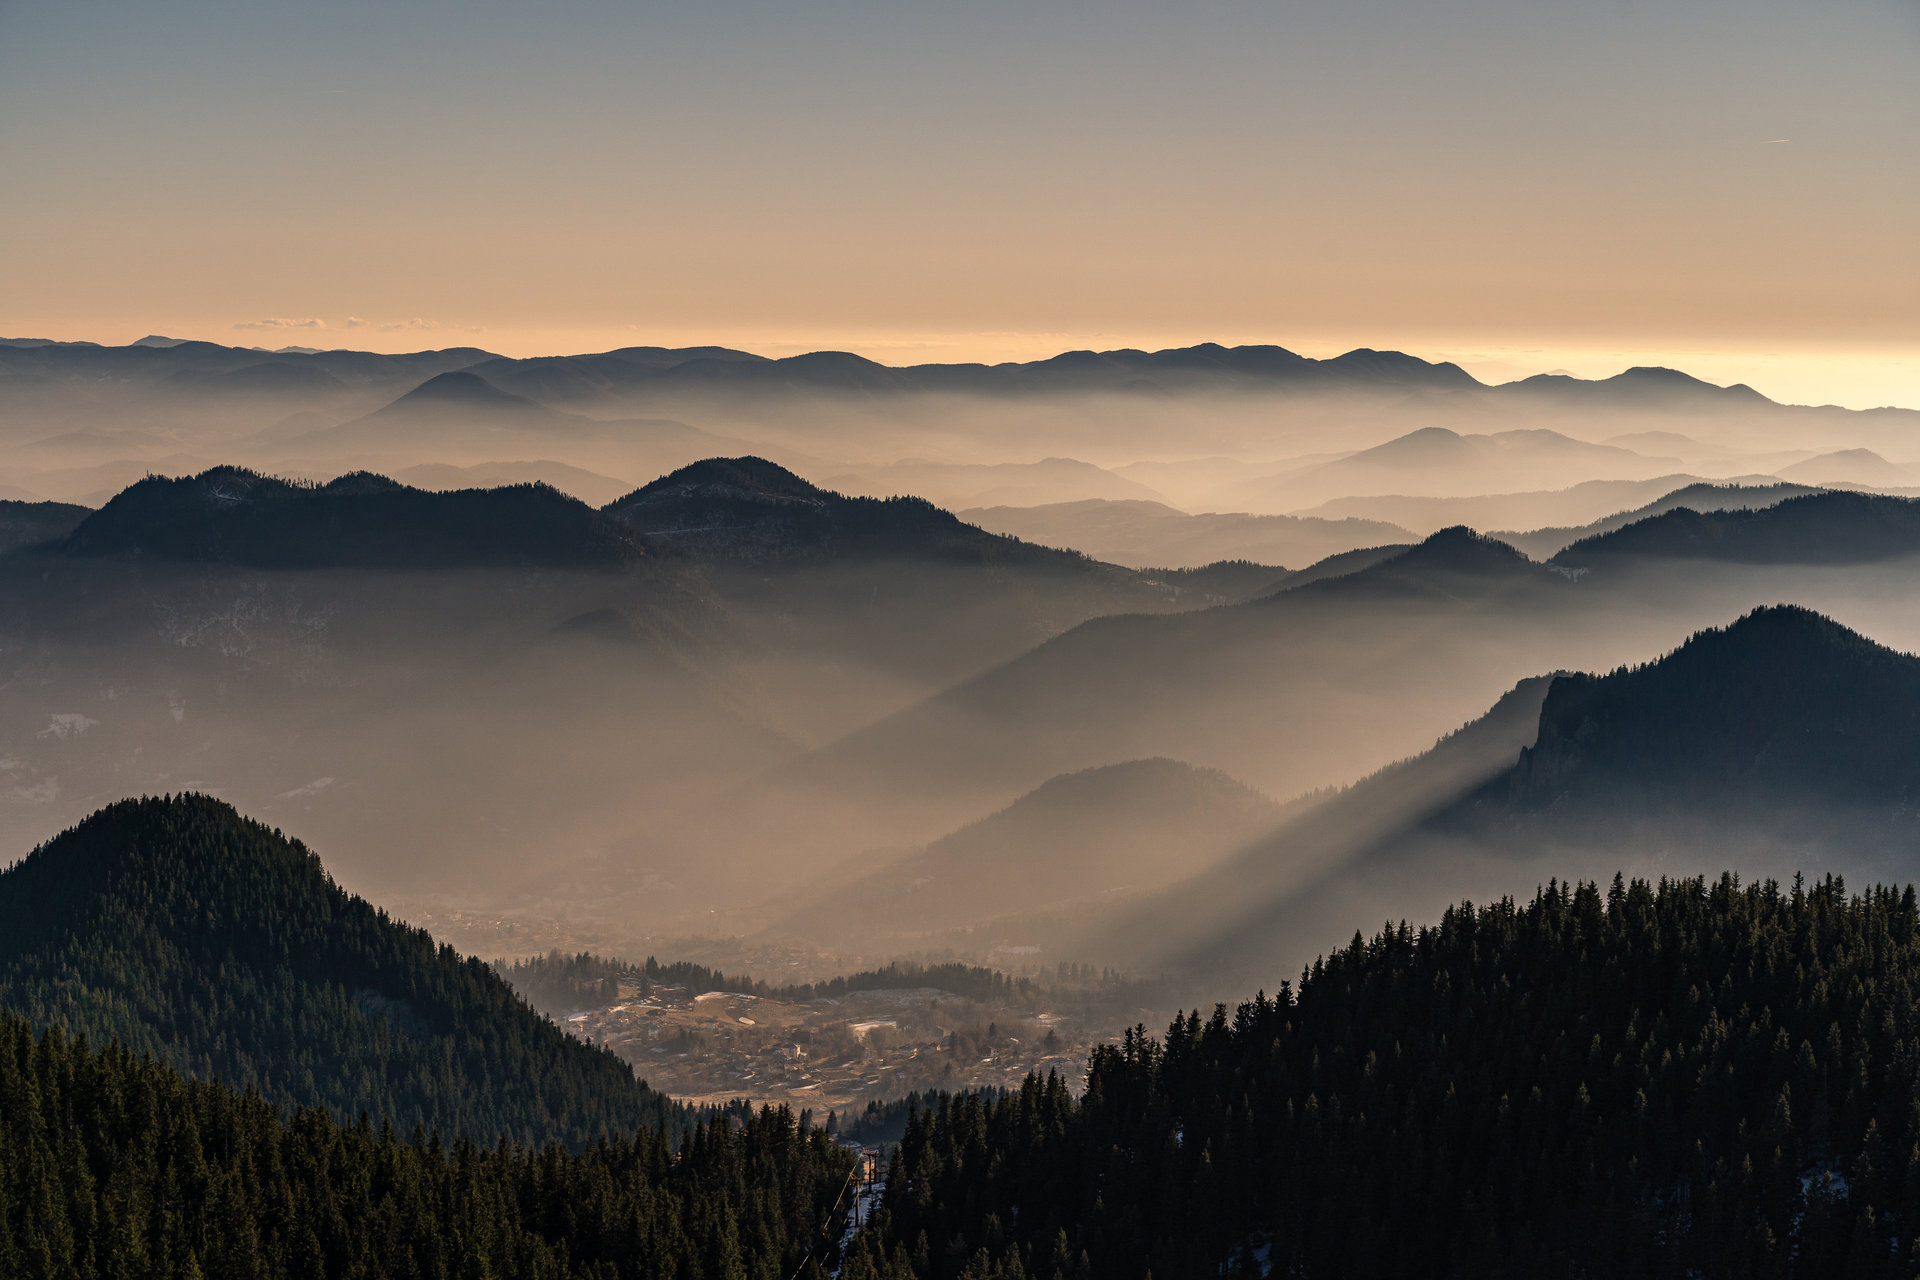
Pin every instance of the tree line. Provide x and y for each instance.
(113, 1166)
(1673, 1079)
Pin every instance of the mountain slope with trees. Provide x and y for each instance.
(1781, 741)
(180, 929)
(114, 1166)
(1694, 1078)
(232, 515)
(1832, 527)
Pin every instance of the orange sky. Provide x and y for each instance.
(1726, 187)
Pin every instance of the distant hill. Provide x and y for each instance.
(1121, 829)
(1437, 462)
(1572, 507)
(1307, 686)
(362, 521)
(23, 524)
(1848, 466)
(186, 931)
(1140, 534)
(1544, 543)
(1226, 581)
(997, 484)
(1642, 385)
(1816, 528)
(752, 510)
(458, 415)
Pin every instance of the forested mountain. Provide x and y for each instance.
(357, 521)
(1684, 1079)
(181, 929)
(1783, 704)
(1783, 740)
(752, 510)
(1544, 543)
(1817, 528)
(114, 1167)
(22, 524)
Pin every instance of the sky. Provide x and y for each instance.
(1731, 188)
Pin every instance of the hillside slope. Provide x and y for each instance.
(1694, 1078)
(1076, 841)
(1782, 742)
(181, 929)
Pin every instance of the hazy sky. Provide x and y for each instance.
(1734, 186)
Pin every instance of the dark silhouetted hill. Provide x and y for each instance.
(753, 510)
(358, 521)
(182, 929)
(1783, 704)
(1817, 528)
(1641, 386)
(1702, 497)
(26, 524)
(1782, 742)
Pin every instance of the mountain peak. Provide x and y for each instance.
(229, 950)
(744, 477)
(1782, 701)
(459, 389)
(1461, 548)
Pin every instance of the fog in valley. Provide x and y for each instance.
(1180, 666)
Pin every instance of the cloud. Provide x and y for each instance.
(355, 322)
(281, 322)
(395, 326)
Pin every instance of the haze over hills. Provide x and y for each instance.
(1544, 543)
(1142, 534)
(996, 484)
(499, 681)
(590, 487)
(460, 417)
(1437, 462)
(1815, 528)
(641, 411)
(1081, 840)
(1575, 506)
(1779, 742)
(735, 672)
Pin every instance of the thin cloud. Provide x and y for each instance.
(282, 322)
